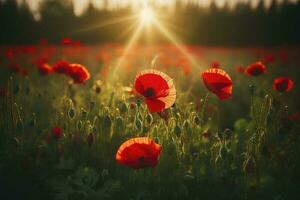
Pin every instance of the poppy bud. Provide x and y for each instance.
(92, 105)
(119, 124)
(123, 107)
(83, 113)
(149, 118)
(79, 125)
(186, 124)
(197, 120)
(138, 124)
(71, 113)
(177, 130)
(106, 124)
(251, 88)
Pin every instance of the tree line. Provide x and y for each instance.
(278, 25)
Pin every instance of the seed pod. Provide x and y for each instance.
(71, 113)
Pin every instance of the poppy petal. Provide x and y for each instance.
(219, 82)
(138, 153)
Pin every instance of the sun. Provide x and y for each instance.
(146, 16)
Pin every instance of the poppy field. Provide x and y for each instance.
(157, 121)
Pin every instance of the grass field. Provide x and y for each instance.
(60, 135)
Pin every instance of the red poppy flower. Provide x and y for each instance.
(256, 69)
(218, 82)
(66, 41)
(78, 73)
(56, 132)
(283, 84)
(240, 69)
(138, 153)
(45, 69)
(157, 88)
(62, 67)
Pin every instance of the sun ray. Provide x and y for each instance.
(176, 42)
(104, 24)
(127, 49)
(128, 30)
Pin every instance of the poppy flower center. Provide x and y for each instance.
(256, 71)
(141, 160)
(149, 93)
(282, 86)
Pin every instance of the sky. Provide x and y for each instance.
(80, 6)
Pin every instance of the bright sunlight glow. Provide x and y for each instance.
(146, 16)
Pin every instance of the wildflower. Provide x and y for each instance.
(240, 69)
(138, 153)
(256, 69)
(66, 41)
(56, 132)
(283, 84)
(78, 73)
(218, 82)
(157, 88)
(61, 67)
(45, 69)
